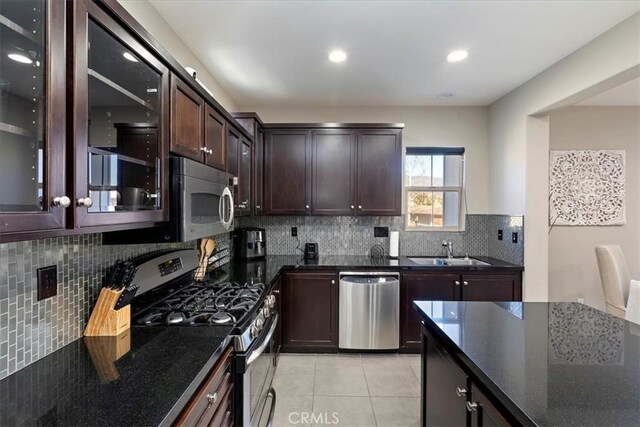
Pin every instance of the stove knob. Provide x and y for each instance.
(258, 324)
(271, 301)
(266, 312)
(254, 332)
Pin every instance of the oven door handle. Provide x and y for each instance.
(258, 351)
(272, 411)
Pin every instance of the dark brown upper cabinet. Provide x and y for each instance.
(287, 161)
(379, 172)
(118, 123)
(32, 117)
(215, 137)
(198, 131)
(244, 176)
(187, 115)
(333, 158)
(253, 125)
(347, 169)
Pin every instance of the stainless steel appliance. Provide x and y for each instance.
(369, 311)
(250, 242)
(201, 205)
(168, 296)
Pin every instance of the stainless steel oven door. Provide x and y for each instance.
(259, 375)
(207, 208)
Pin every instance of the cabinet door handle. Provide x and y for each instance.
(203, 149)
(472, 406)
(61, 202)
(359, 206)
(352, 207)
(465, 283)
(84, 202)
(307, 206)
(457, 283)
(258, 207)
(461, 392)
(276, 291)
(210, 151)
(333, 282)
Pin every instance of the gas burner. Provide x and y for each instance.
(205, 303)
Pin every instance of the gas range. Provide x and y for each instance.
(170, 297)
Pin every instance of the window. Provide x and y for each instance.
(434, 188)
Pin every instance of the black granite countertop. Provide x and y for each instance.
(554, 363)
(81, 385)
(268, 268)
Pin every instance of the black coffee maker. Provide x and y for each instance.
(249, 243)
(311, 251)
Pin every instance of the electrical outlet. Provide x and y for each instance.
(47, 282)
(499, 234)
(380, 231)
(294, 231)
(514, 237)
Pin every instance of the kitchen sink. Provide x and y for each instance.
(452, 262)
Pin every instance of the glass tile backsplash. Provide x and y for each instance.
(31, 329)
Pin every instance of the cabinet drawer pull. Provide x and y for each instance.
(307, 206)
(203, 149)
(211, 398)
(276, 291)
(465, 283)
(457, 283)
(472, 406)
(353, 207)
(461, 392)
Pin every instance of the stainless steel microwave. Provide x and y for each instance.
(200, 205)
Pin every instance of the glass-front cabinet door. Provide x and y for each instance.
(120, 110)
(32, 116)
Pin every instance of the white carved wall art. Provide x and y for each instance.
(586, 187)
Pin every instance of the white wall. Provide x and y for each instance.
(518, 178)
(573, 271)
(424, 126)
(152, 21)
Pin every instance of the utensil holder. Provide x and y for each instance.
(104, 320)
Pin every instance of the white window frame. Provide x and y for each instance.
(460, 190)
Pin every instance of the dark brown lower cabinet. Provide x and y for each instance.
(453, 286)
(491, 287)
(449, 396)
(444, 390)
(422, 286)
(310, 312)
(277, 338)
(212, 405)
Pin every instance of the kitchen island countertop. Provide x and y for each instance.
(550, 364)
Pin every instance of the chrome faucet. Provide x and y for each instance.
(449, 246)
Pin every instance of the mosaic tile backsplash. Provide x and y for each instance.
(31, 329)
(354, 236)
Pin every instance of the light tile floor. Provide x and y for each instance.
(349, 390)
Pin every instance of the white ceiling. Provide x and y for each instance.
(625, 95)
(275, 52)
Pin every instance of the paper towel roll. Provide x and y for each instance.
(394, 244)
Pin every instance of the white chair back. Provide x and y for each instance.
(633, 304)
(614, 275)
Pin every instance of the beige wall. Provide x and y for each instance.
(153, 22)
(424, 126)
(573, 271)
(519, 178)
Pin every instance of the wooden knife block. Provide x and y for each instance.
(104, 320)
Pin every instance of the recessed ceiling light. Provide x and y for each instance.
(444, 95)
(130, 57)
(457, 55)
(337, 56)
(18, 57)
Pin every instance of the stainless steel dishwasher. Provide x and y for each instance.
(369, 311)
